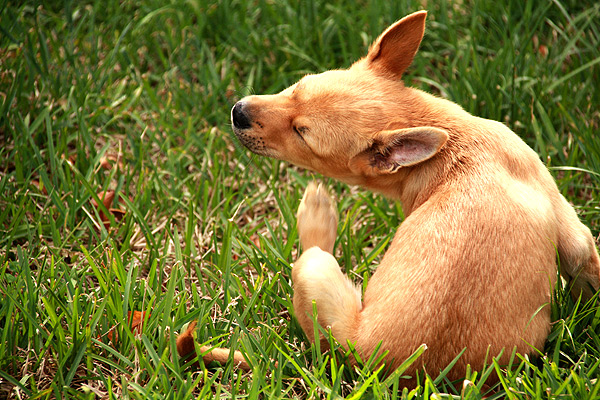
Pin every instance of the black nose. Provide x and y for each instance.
(239, 117)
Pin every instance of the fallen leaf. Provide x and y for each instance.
(256, 240)
(105, 163)
(117, 212)
(70, 159)
(107, 198)
(40, 186)
(185, 345)
(109, 160)
(136, 323)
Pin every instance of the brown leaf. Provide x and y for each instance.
(107, 198)
(109, 161)
(117, 212)
(256, 240)
(105, 163)
(136, 322)
(40, 186)
(70, 159)
(185, 345)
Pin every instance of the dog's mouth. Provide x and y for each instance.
(254, 144)
(241, 127)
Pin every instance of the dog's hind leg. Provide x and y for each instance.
(316, 275)
(577, 252)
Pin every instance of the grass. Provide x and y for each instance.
(134, 97)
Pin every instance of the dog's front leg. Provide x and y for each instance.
(316, 275)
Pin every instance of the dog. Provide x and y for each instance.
(473, 265)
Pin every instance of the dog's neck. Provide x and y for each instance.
(413, 186)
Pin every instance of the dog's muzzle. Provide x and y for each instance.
(241, 127)
(239, 118)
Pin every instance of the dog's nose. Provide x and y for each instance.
(239, 117)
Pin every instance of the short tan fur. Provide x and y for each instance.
(473, 265)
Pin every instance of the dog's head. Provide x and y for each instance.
(347, 124)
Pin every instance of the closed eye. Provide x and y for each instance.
(300, 130)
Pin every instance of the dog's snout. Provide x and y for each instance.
(239, 116)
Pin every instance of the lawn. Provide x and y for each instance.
(124, 193)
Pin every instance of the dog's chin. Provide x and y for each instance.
(262, 151)
(255, 145)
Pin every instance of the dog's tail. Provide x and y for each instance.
(187, 351)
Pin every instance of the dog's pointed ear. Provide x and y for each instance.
(392, 150)
(395, 49)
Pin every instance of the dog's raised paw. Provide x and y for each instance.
(317, 218)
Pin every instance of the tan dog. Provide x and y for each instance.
(474, 263)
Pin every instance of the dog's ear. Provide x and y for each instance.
(392, 150)
(395, 49)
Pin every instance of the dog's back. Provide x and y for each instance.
(474, 264)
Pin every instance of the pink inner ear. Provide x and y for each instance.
(408, 152)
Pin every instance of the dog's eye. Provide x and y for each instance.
(300, 130)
